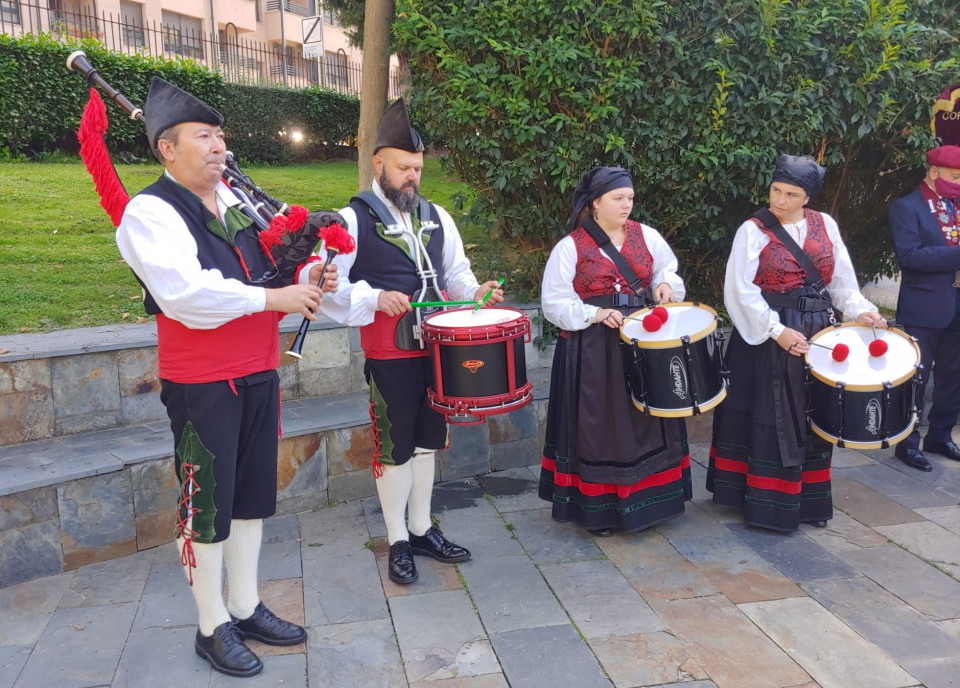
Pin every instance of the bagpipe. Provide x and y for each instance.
(288, 234)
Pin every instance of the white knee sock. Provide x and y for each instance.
(207, 585)
(393, 488)
(422, 467)
(241, 554)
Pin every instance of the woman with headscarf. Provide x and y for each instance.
(763, 459)
(606, 466)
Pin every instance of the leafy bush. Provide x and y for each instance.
(41, 103)
(697, 99)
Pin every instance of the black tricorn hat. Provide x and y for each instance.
(168, 105)
(395, 131)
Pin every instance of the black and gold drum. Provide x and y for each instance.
(863, 401)
(676, 370)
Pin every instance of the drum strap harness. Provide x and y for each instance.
(813, 278)
(602, 239)
(408, 335)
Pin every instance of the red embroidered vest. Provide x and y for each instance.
(596, 274)
(779, 271)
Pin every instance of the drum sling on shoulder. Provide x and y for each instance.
(640, 297)
(407, 336)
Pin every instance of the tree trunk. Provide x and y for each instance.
(377, 19)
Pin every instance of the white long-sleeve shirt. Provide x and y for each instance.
(563, 306)
(751, 315)
(158, 247)
(355, 303)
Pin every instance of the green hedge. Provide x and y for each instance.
(41, 102)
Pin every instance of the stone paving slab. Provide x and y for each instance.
(844, 534)
(12, 659)
(869, 507)
(547, 541)
(794, 555)
(654, 568)
(910, 578)
(510, 594)
(160, 658)
(547, 657)
(79, 648)
(898, 629)
(26, 608)
(945, 516)
(485, 681)
(929, 542)
(329, 533)
(433, 651)
(358, 654)
(833, 654)
(343, 589)
(733, 651)
(482, 530)
(434, 575)
(514, 489)
(599, 600)
(287, 671)
(166, 600)
(896, 485)
(647, 659)
(937, 673)
(110, 582)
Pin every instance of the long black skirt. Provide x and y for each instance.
(605, 464)
(749, 468)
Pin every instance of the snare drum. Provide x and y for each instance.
(677, 370)
(479, 363)
(863, 402)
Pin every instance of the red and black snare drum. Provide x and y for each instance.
(479, 364)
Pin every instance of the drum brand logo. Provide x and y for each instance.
(679, 375)
(873, 416)
(472, 365)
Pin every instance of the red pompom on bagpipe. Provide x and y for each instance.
(840, 352)
(336, 238)
(296, 217)
(877, 347)
(661, 313)
(652, 323)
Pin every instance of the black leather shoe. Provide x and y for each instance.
(227, 652)
(403, 570)
(818, 524)
(602, 532)
(948, 448)
(913, 457)
(433, 544)
(267, 627)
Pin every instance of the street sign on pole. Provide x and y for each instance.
(312, 28)
(313, 49)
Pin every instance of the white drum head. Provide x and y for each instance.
(467, 317)
(686, 318)
(860, 369)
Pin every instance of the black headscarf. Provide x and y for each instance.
(168, 105)
(593, 185)
(800, 170)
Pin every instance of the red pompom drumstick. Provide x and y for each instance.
(652, 323)
(838, 352)
(661, 313)
(878, 347)
(336, 239)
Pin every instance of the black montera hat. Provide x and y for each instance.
(395, 131)
(168, 105)
(800, 170)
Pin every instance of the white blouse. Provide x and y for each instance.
(751, 315)
(565, 309)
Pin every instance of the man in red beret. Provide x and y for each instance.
(925, 226)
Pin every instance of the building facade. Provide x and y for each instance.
(269, 42)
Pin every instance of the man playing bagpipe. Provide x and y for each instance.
(404, 246)
(212, 288)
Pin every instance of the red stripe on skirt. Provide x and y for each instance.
(775, 484)
(821, 476)
(730, 465)
(598, 489)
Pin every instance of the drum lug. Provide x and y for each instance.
(808, 383)
(884, 414)
(691, 388)
(841, 388)
(719, 341)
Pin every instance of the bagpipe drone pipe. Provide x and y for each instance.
(288, 234)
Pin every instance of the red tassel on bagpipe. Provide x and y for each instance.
(96, 158)
(282, 224)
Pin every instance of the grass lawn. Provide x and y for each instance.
(59, 265)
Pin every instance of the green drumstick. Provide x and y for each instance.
(428, 304)
(484, 299)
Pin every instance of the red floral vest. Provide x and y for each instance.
(596, 274)
(779, 271)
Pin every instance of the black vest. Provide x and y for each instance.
(384, 265)
(213, 252)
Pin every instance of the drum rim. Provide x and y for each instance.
(683, 412)
(520, 315)
(669, 343)
(872, 387)
(853, 444)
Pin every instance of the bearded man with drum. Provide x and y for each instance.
(406, 247)
(925, 226)
(787, 272)
(209, 284)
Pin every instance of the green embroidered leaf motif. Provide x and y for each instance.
(381, 424)
(215, 227)
(191, 451)
(236, 220)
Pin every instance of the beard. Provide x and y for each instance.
(406, 199)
